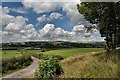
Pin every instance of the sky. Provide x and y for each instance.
(45, 21)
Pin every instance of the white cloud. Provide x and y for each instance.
(58, 31)
(87, 34)
(54, 15)
(16, 25)
(42, 18)
(29, 26)
(79, 28)
(5, 18)
(47, 30)
(69, 7)
(4, 10)
(19, 10)
(16, 28)
(40, 7)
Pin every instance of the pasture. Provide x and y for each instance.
(72, 51)
(8, 54)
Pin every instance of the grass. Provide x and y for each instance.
(8, 54)
(92, 65)
(66, 53)
(72, 51)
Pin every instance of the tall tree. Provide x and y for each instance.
(107, 16)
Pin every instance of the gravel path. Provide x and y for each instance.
(26, 72)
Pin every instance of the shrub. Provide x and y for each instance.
(15, 63)
(43, 50)
(45, 57)
(48, 68)
(37, 55)
(58, 57)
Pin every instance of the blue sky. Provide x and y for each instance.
(65, 23)
(26, 21)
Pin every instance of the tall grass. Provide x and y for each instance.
(92, 65)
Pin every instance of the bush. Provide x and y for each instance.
(45, 57)
(58, 57)
(48, 68)
(15, 63)
(37, 55)
(43, 50)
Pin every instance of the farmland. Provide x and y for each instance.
(7, 54)
(78, 62)
(72, 51)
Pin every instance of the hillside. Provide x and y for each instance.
(51, 44)
(92, 65)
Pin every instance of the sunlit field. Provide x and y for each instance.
(8, 54)
(72, 51)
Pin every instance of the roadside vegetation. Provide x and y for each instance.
(92, 65)
(13, 60)
(71, 62)
(49, 67)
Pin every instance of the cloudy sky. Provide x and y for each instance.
(44, 21)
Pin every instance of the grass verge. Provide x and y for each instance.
(91, 65)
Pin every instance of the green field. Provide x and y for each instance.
(8, 54)
(72, 51)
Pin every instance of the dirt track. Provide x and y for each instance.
(26, 72)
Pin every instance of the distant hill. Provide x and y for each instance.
(51, 44)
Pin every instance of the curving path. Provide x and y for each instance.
(26, 72)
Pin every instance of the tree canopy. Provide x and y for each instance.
(107, 17)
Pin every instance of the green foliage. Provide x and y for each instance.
(58, 57)
(15, 63)
(48, 68)
(107, 17)
(43, 50)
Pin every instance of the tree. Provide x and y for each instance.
(107, 17)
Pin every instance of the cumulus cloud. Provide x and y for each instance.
(16, 25)
(47, 30)
(50, 32)
(69, 7)
(16, 28)
(40, 7)
(5, 18)
(42, 18)
(79, 28)
(54, 15)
